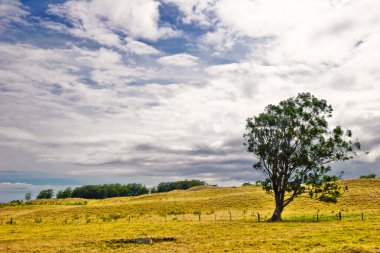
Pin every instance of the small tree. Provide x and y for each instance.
(28, 196)
(46, 194)
(371, 175)
(293, 147)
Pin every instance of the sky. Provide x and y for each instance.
(106, 91)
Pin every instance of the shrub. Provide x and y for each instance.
(371, 175)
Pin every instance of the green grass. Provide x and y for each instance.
(77, 225)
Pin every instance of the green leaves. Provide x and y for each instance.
(325, 189)
(293, 145)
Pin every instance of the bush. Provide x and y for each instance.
(328, 198)
(371, 175)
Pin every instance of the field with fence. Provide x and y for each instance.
(201, 219)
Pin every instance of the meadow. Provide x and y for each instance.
(200, 219)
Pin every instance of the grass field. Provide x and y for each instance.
(204, 219)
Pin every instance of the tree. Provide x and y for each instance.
(28, 196)
(105, 191)
(178, 185)
(293, 147)
(46, 194)
(64, 194)
(371, 175)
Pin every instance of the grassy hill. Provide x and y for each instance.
(201, 219)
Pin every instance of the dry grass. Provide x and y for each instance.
(78, 225)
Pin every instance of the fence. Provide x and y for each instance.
(197, 216)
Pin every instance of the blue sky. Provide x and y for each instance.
(104, 91)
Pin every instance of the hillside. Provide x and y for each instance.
(165, 214)
(362, 195)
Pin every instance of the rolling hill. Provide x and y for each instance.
(200, 219)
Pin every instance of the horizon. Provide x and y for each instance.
(56, 188)
(149, 91)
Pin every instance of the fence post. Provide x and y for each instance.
(317, 217)
(258, 217)
(362, 216)
(230, 216)
(199, 217)
(340, 215)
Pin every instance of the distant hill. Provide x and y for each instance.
(359, 195)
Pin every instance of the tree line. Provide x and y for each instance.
(177, 185)
(103, 191)
(115, 190)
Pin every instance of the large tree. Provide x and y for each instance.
(293, 146)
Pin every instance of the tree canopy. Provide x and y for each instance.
(28, 196)
(293, 147)
(371, 175)
(177, 185)
(121, 190)
(103, 191)
(46, 194)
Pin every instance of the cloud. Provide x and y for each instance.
(140, 48)
(98, 119)
(12, 11)
(17, 191)
(129, 101)
(196, 11)
(332, 38)
(264, 18)
(108, 22)
(16, 133)
(310, 32)
(181, 60)
(222, 39)
(95, 118)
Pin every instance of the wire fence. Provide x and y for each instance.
(196, 216)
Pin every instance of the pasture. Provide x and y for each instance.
(201, 219)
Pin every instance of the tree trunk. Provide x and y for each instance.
(276, 216)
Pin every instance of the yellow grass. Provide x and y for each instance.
(228, 223)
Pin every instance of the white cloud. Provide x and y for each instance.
(332, 37)
(105, 21)
(296, 31)
(12, 11)
(221, 40)
(16, 133)
(145, 117)
(140, 48)
(198, 11)
(87, 125)
(263, 18)
(180, 60)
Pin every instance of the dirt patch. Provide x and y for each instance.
(144, 240)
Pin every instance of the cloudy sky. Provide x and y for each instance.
(105, 91)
